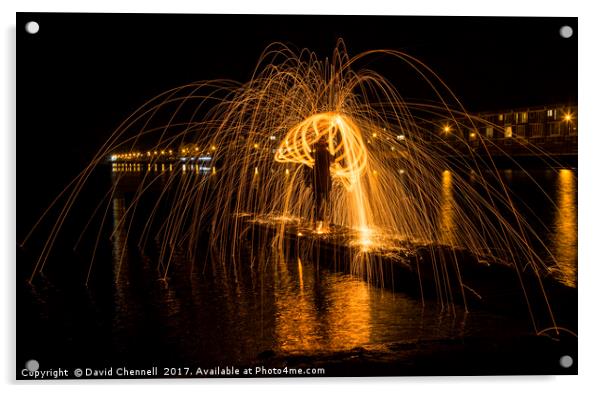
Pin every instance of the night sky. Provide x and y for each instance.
(82, 74)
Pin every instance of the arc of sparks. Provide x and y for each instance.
(345, 144)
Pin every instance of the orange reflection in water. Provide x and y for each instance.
(307, 321)
(564, 238)
(447, 225)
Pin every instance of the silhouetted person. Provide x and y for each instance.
(322, 181)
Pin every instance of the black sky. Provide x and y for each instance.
(84, 73)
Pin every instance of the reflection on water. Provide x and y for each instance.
(163, 167)
(234, 313)
(447, 220)
(295, 306)
(564, 229)
(337, 319)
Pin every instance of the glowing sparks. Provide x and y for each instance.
(321, 228)
(365, 236)
(345, 144)
(304, 103)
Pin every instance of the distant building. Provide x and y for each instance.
(542, 130)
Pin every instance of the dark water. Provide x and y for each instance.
(223, 314)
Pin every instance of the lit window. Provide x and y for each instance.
(500, 117)
(508, 132)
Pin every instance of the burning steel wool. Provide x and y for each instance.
(316, 150)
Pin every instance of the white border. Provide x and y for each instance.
(590, 235)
